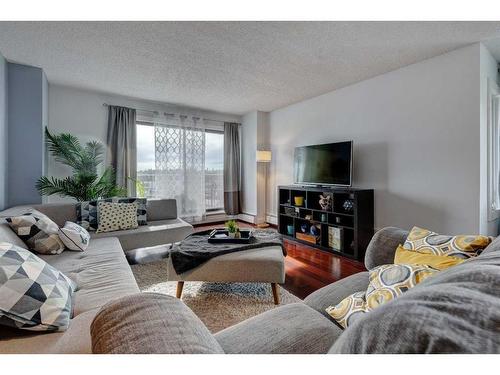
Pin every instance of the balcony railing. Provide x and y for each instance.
(214, 187)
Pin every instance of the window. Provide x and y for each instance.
(493, 150)
(214, 170)
(162, 163)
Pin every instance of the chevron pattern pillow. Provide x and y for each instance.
(33, 295)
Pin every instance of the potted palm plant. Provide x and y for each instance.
(84, 184)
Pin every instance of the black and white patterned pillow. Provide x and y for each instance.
(33, 295)
(117, 216)
(37, 231)
(141, 208)
(74, 236)
(87, 213)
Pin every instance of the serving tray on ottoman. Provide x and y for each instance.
(221, 235)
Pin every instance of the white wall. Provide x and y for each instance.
(3, 133)
(81, 113)
(248, 165)
(255, 136)
(488, 71)
(416, 141)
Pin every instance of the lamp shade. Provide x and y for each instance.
(263, 156)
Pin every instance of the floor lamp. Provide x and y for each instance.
(264, 157)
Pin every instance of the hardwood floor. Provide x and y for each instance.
(308, 269)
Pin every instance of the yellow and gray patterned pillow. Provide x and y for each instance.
(428, 242)
(117, 216)
(386, 283)
(38, 232)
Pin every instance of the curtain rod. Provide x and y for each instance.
(171, 114)
(137, 109)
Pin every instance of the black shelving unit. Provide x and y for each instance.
(354, 218)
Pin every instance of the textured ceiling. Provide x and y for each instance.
(233, 67)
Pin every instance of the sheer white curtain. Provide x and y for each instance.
(180, 163)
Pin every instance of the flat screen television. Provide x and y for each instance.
(326, 164)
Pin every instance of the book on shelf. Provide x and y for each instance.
(335, 238)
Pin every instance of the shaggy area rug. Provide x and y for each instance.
(217, 305)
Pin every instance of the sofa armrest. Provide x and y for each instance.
(150, 323)
(382, 247)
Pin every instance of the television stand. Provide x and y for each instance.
(344, 228)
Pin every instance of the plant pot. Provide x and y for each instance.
(231, 234)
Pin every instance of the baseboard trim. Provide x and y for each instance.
(247, 218)
(272, 219)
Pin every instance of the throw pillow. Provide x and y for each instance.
(428, 242)
(141, 208)
(38, 232)
(439, 262)
(33, 294)
(87, 214)
(117, 216)
(74, 236)
(387, 282)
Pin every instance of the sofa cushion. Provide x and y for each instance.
(60, 213)
(290, 329)
(101, 273)
(33, 295)
(383, 245)
(38, 232)
(153, 234)
(455, 311)
(161, 209)
(150, 323)
(75, 340)
(332, 294)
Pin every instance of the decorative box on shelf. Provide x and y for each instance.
(307, 237)
(292, 211)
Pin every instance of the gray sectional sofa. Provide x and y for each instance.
(101, 272)
(455, 311)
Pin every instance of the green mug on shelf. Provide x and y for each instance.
(299, 201)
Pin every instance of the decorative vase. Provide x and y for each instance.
(299, 201)
(314, 230)
(324, 218)
(348, 205)
(325, 201)
(303, 228)
(289, 230)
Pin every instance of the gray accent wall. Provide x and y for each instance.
(416, 141)
(3, 133)
(27, 110)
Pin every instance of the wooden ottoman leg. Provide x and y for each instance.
(276, 293)
(180, 285)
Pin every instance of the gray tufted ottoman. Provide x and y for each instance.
(263, 265)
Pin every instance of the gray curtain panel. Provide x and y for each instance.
(122, 148)
(232, 162)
